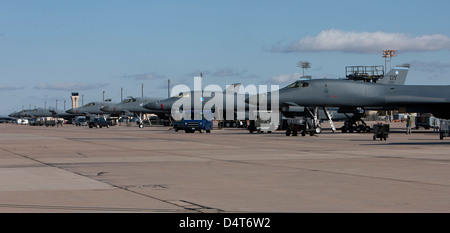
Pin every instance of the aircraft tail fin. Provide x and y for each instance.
(396, 76)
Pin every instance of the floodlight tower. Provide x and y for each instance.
(388, 53)
(168, 88)
(304, 65)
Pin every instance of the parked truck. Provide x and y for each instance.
(192, 121)
(99, 123)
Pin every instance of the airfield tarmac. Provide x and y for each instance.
(157, 170)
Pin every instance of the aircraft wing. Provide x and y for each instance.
(290, 104)
(411, 100)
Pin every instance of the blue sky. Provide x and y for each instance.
(50, 48)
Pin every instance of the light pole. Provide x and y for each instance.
(388, 53)
(304, 65)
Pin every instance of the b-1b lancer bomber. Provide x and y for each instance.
(90, 108)
(231, 102)
(359, 78)
(43, 112)
(133, 106)
(348, 95)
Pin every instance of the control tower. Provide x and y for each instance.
(75, 99)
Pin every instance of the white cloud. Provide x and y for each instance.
(144, 76)
(69, 86)
(9, 88)
(365, 42)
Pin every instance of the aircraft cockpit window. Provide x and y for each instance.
(130, 100)
(293, 85)
(298, 84)
(90, 104)
(185, 94)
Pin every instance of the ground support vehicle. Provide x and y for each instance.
(80, 121)
(380, 131)
(261, 126)
(262, 121)
(233, 124)
(195, 121)
(178, 125)
(444, 129)
(355, 123)
(99, 123)
(427, 122)
(302, 125)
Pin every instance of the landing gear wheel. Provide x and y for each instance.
(288, 133)
(318, 130)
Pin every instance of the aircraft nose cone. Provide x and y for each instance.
(71, 111)
(153, 106)
(106, 108)
(260, 99)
